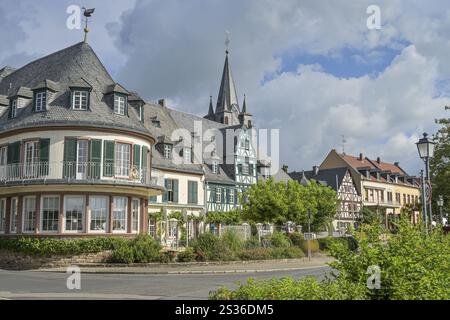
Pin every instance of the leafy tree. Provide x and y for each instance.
(440, 165)
(266, 202)
(369, 216)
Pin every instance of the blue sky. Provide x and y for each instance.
(310, 68)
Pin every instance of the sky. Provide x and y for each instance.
(311, 68)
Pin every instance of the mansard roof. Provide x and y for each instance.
(75, 66)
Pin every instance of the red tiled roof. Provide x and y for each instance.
(384, 166)
(356, 163)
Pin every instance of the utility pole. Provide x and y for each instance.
(309, 232)
(424, 203)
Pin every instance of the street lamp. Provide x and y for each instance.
(440, 204)
(425, 147)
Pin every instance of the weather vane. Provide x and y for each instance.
(87, 14)
(227, 40)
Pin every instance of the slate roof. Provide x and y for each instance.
(227, 94)
(279, 176)
(327, 177)
(72, 66)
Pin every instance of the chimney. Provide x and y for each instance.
(315, 170)
(378, 160)
(360, 157)
(162, 102)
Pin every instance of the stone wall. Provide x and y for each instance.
(18, 261)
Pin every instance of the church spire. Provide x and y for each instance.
(227, 93)
(244, 106)
(210, 114)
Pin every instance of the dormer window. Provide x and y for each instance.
(187, 155)
(40, 101)
(80, 99)
(13, 108)
(167, 151)
(215, 166)
(120, 104)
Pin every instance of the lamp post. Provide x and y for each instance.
(440, 204)
(425, 147)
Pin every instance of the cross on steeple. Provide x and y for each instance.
(227, 41)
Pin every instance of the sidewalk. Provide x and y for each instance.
(202, 268)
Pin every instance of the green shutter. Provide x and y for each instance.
(194, 192)
(166, 184)
(70, 157)
(108, 158)
(213, 192)
(190, 191)
(13, 155)
(144, 156)
(44, 153)
(175, 191)
(95, 158)
(137, 156)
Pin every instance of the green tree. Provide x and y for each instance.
(266, 202)
(440, 164)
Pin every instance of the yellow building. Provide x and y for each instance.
(385, 187)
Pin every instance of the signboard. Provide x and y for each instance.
(309, 235)
(428, 192)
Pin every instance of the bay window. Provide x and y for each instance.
(2, 215)
(74, 209)
(135, 211)
(49, 213)
(99, 213)
(119, 214)
(13, 215)
(29, 214)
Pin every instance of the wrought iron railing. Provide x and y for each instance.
(70, 170)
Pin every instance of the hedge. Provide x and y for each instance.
(53, 246)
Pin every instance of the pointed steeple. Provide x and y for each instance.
(244, 106)
(227, 94)
(210, 114)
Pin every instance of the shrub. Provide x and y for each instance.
(123, 254)
(296, 238)
(187, 255)
(314, 246)
(279, 240)
(270, 253)
(146, 249)
(208, 247)
(231, 240)
(52, 246)
(252, 243)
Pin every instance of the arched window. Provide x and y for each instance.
(226, 120)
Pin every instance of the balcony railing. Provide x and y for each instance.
(382, 203)
(69, 170)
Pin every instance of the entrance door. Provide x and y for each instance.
(82, 159)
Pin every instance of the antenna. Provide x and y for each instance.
(227, 40)
(87, 14)
(344, 141)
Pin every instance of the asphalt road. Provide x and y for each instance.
(52, 285)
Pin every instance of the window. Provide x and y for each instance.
(218, 195)
(245, 167)
(40, 101)
(2, 215)
(171, 194)
(3, 162)
(404, 198)
(82, 158)
(120, 208)
(231, 196)
(153, 199)
(247, 144)
(215, 167)
(167, 151)
(119, 104)
(31, 158)
(29, 214)
(135, 211)
(123, 159)
(187, 155)
(74, 213)
(80, 100)
(152, 227)
(192, 192)
(50, 213)
(13, 215)
(173, 228)
(99, 213)
(13, 110)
